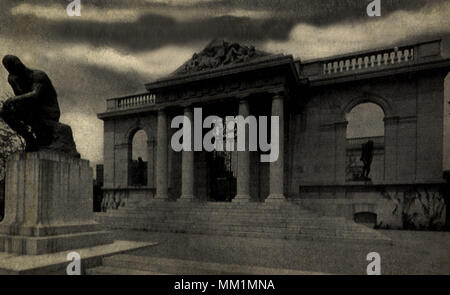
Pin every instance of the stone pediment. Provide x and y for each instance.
(217, 54)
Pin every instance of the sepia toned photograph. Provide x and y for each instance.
(256, 138)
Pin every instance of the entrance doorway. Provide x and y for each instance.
(222, 176)
(222, 185)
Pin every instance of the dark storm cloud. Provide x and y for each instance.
(312, 10)
(328, 11)
(153, 30)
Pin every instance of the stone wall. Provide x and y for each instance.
(118, 135)
(412, 153)
(413, 107)
(393, 205)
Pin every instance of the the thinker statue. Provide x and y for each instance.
(34, 111)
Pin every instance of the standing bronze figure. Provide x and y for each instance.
(366, 158)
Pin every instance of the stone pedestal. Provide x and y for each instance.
(49, 205)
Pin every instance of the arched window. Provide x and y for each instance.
(365, 143)
(139, 146)
(139, 159)
(365, 120)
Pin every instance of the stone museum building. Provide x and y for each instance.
(329, 109)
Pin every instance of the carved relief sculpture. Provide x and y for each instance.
(219, 53)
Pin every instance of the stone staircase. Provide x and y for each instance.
(257, 220)
(143, 265)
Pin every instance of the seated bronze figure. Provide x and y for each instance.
(34, 111)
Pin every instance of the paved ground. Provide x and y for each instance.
(412, 252)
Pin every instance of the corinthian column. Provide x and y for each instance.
(277, 167)
(243, 161)
(161, 158)
(187, 161)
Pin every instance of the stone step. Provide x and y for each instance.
(216, 209)
(192, 206)
(190, 267)
(206, 214)
(214, 213)
(225, 205)
(249, 219)
(218, 228)
(313, 225)
(107, 270)
(227, 221)
(230, 221)
(278, 223)
(218, 212)
(305, 234)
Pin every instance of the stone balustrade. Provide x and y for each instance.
(133, 101)
(381, 58)
(376, 60)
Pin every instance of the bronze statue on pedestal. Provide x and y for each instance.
(34, 111)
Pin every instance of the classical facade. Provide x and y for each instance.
(319, 165)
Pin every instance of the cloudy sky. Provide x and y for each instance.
(116, 46)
